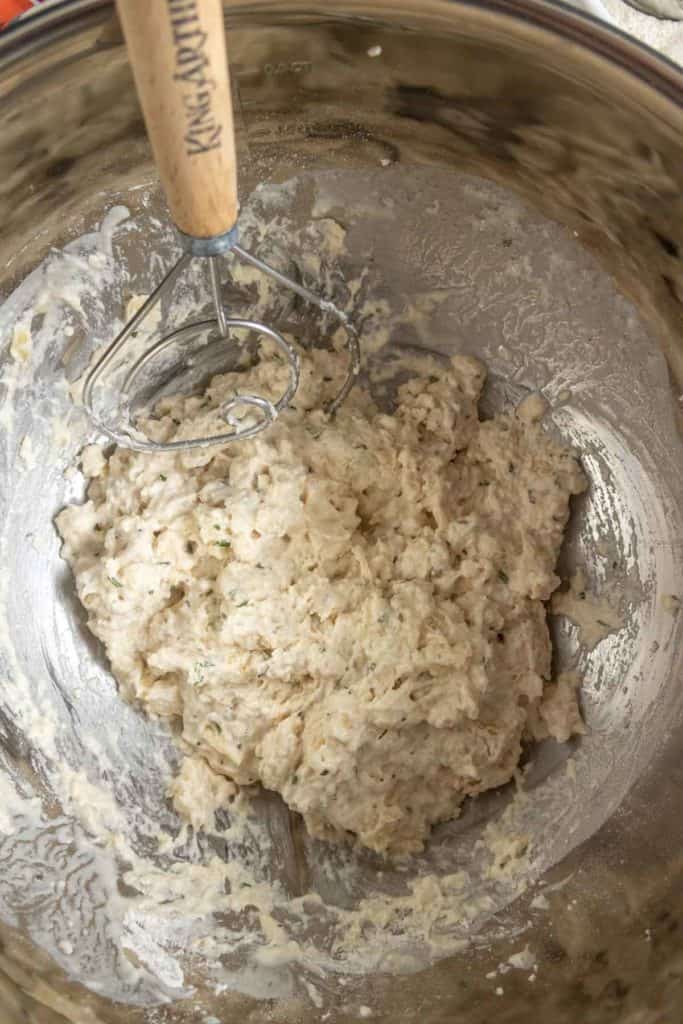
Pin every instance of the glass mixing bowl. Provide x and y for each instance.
(509, 177)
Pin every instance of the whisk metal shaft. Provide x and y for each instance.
(216, 293)
(105, 360)
(127, 436)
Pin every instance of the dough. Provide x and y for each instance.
(595, 618)
(349, 612)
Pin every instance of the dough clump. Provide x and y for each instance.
(347, 611)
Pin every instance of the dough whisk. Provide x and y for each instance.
(178, 54)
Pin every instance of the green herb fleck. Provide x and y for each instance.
(222, 543)
(114, 582)
(163, 477)
(198, 669)
(503, 576)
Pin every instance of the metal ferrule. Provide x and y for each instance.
(213, 246)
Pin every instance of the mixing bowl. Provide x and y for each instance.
(506, 179)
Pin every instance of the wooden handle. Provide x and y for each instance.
(177, 51)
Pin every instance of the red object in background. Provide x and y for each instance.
(11, 9)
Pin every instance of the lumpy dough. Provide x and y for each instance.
(349, 611)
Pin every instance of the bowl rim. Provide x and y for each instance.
(592, 34)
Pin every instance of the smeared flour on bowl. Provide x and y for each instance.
(348, 611)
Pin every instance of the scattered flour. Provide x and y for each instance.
(523, 961)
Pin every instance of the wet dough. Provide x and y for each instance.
(348, 612)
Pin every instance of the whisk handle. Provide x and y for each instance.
(178, 54)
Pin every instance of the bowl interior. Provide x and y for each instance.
(381, 204)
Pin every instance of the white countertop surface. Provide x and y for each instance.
(665, 36)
